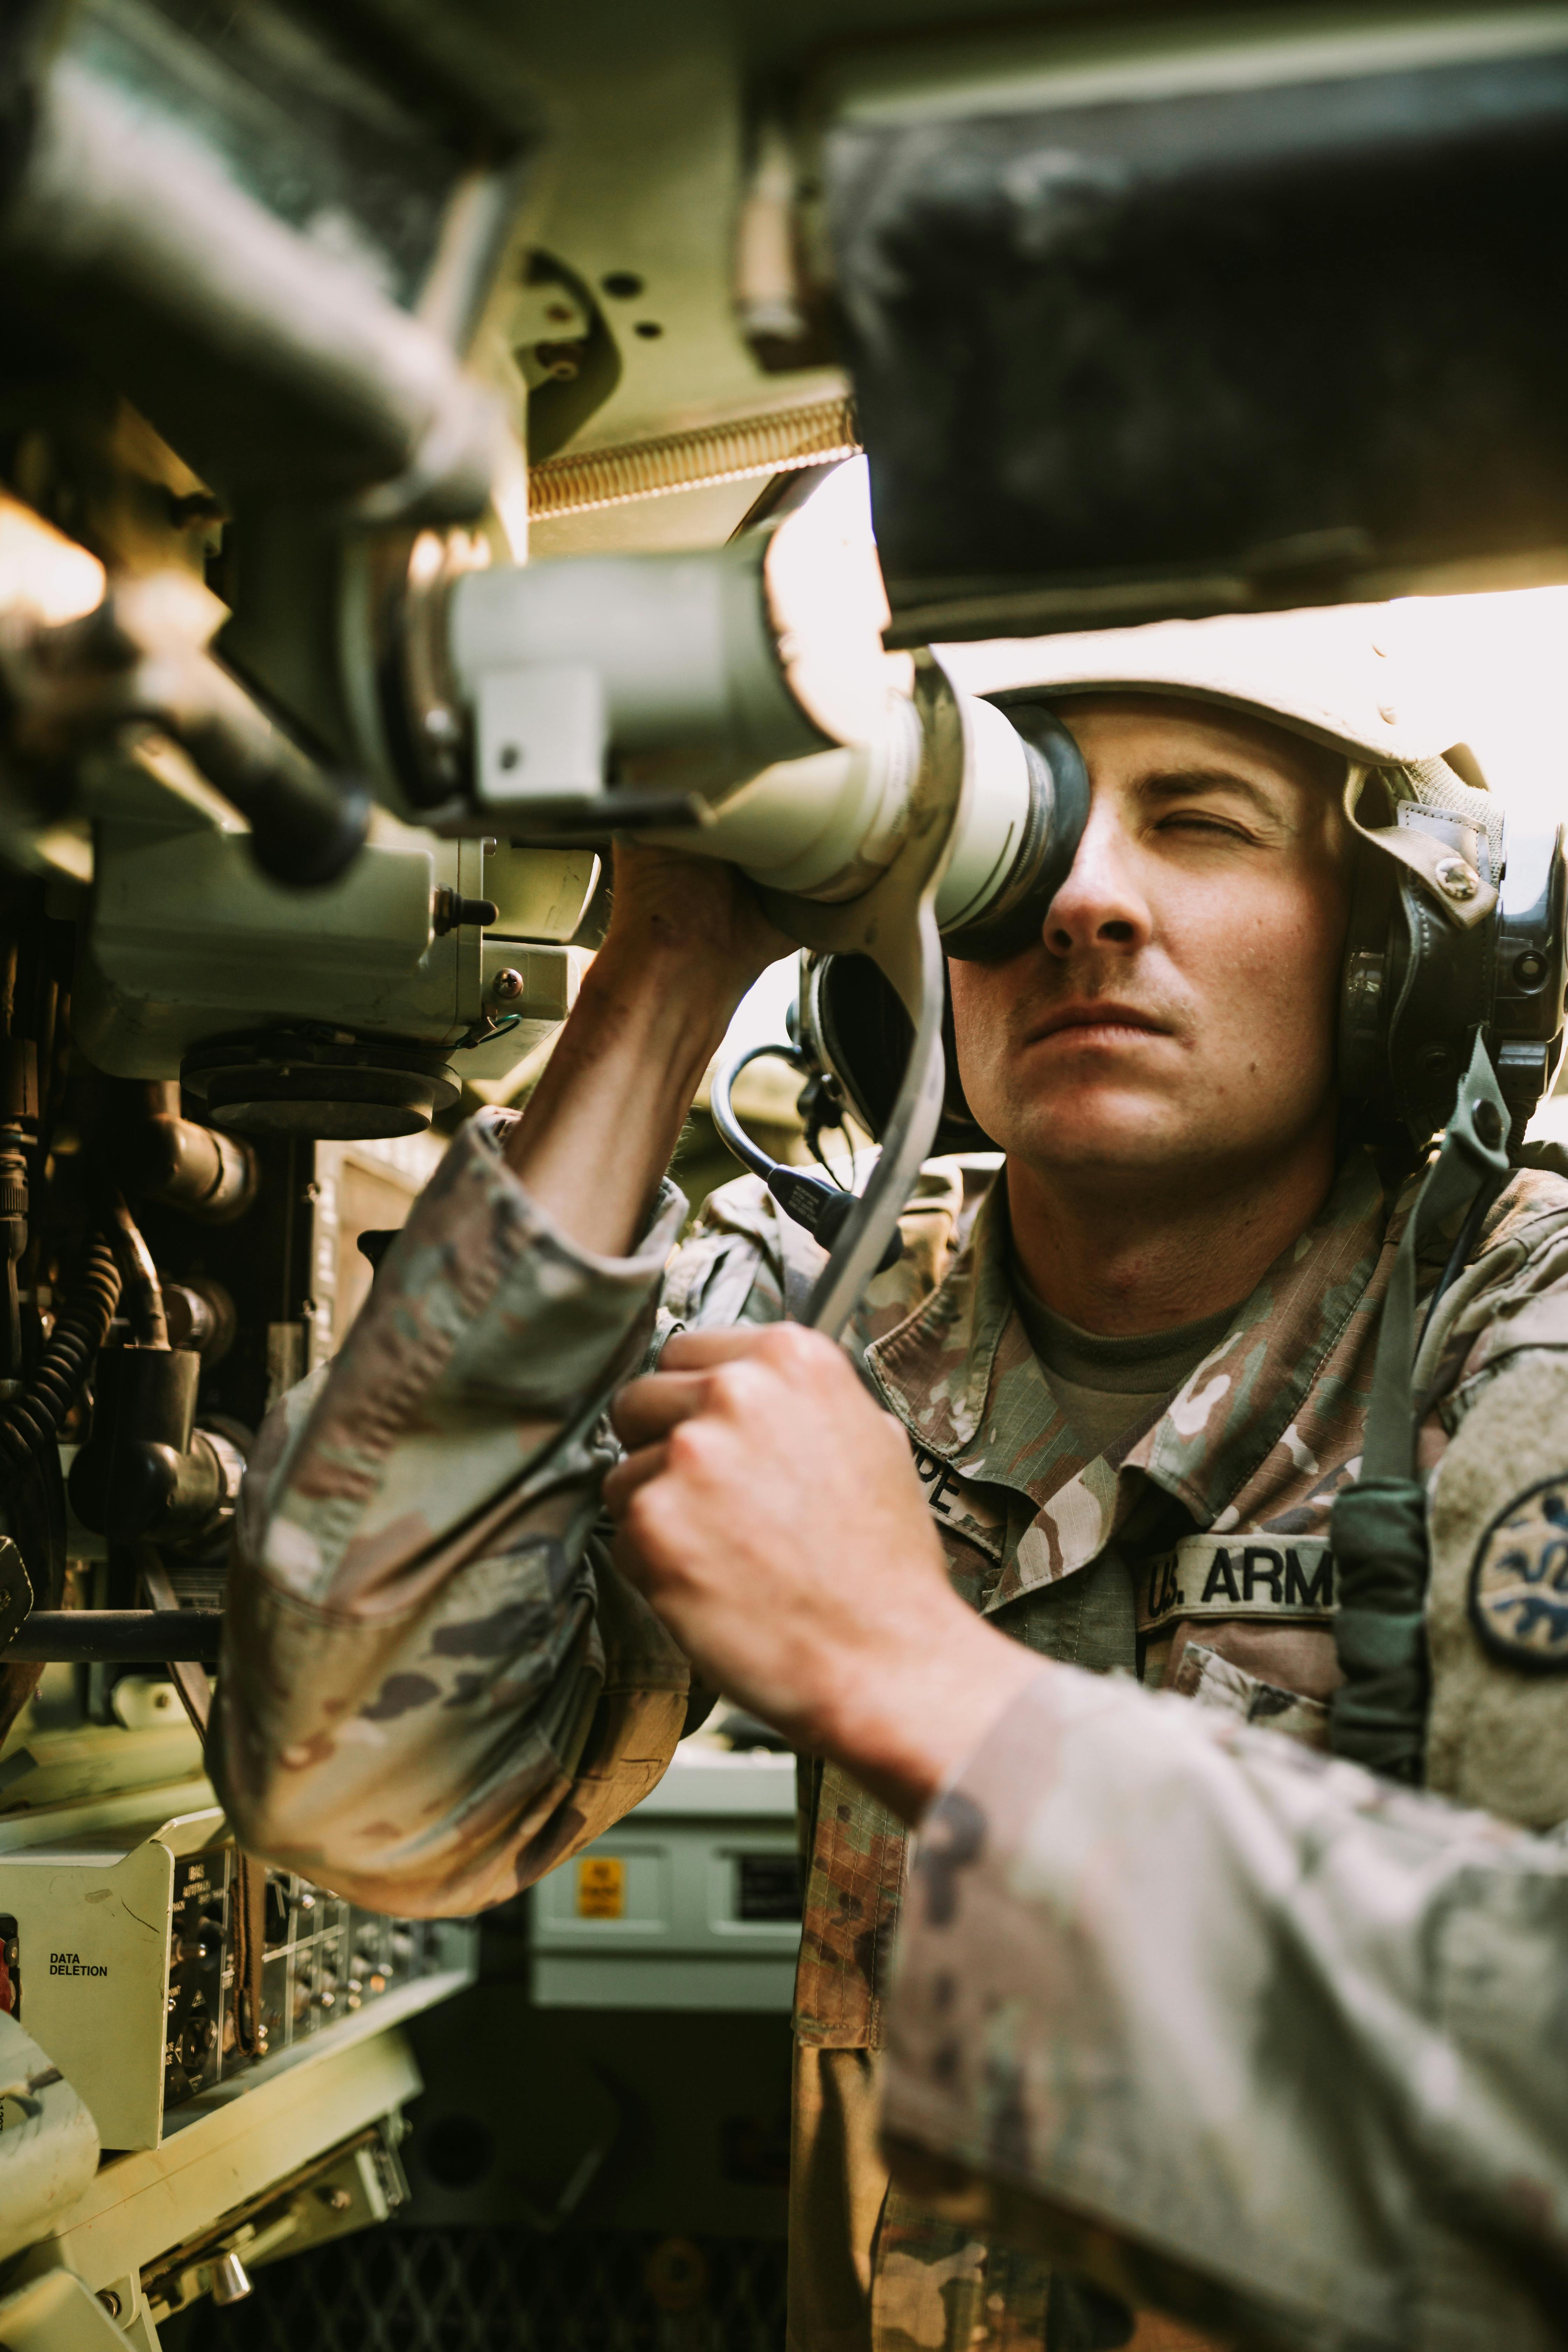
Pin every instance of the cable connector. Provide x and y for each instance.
(822, 1208)
(824, 1211)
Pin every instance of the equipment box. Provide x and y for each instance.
(119, 1948)
(692, 1902)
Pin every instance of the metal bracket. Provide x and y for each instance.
(894, 923)
(117, 1637)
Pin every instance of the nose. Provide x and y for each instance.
(1100, 903)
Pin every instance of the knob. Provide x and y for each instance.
(450, 912)
(231, 2280)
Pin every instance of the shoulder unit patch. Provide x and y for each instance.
(1519, 1581)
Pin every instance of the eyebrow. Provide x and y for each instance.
(1178, 783)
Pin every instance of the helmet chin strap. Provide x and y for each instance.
(1459, 893)
(1378, 1529)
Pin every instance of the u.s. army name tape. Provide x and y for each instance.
(1239, 1575)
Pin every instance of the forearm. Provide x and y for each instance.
(1137, 1937)
(602, 1124)
(434, 1683)
(686, 942)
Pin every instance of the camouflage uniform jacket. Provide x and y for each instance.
(436, 1685)
(1250, 2033)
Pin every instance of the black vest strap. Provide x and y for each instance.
(1378, 1716)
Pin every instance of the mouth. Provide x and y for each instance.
(1098, 1020)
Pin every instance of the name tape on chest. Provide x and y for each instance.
(1238, 1575)
(959, 1505)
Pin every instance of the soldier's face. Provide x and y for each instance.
(1177, 1011)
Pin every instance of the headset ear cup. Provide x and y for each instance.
(855, 1017)
(1415, 987)
(1375, 960)
(863, 1036)
(1366, 989)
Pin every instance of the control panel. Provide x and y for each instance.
(122, 1955)
(322, 1960)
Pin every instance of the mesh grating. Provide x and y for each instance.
(498, 2291)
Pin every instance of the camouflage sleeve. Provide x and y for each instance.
(1232, 2028)
(433, 1685)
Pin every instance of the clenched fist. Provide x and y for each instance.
(770, 1511)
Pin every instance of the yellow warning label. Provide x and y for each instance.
(601, 1887)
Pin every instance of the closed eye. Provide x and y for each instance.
(1197, 821)
(1215, 803)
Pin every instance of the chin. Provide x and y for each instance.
(1079, 1131)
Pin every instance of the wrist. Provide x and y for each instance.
(905, 1726)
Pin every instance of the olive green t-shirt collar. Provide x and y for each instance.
(1149, 1364)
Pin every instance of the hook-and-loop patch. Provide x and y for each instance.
(1519, 1581)
(1241, 1575)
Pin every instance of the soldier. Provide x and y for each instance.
(1135, 1373)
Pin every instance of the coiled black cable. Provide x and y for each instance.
(823, 1209)
(31, 1422)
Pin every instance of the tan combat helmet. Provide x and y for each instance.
(1448, 935)
(1325, 674)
